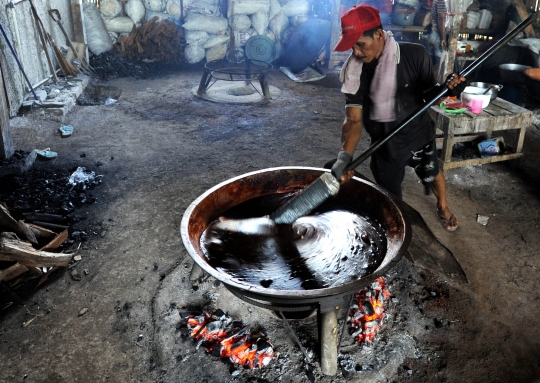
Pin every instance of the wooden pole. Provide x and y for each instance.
(448, 57)
(6, 140)
(79, 32)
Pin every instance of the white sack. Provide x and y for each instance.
(259, 22)
(278, 24)
(97, 37)
(173, 8)
(241, 37)
(196, 37)
(194, 53)
(268, 33)
(247, 7)
(214, 40)
(110, 8)
(275, 7)
(135, 10)
(295, 21)
(240, 22)
(211, 24)
(155, 5)
(161, 16)
(119, 24)
(216, 53)
(203, 8)
(296, 7)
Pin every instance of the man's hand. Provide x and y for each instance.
(455, 84)
(338, 169)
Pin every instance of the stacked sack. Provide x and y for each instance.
(120, 16)
(205, 31)
(208, 33)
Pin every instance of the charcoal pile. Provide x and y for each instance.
(111, 65)
(228, 339)
(38, 211)
(155, 40)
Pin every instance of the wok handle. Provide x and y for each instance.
(475, 64)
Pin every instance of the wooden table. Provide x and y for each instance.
(499, 116)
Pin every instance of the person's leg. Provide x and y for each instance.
(389, 175)
(426, 165)
(449, 220)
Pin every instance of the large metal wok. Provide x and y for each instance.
(359, 196)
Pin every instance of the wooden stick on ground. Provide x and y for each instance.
(13, 249)
(12, 272)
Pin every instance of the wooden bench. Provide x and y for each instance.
(499, 116)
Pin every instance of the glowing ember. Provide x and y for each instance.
(367, 314)
(226, 338)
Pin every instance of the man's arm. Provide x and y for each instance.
(351, 132)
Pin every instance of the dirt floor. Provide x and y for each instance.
(158, 148)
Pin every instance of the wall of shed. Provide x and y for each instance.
(20, 27)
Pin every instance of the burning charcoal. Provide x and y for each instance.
(184, 332)
(216, 350)
(263, 344)
(368, 308)
(218, 313)
(371, 325)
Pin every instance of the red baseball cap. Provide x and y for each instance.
(354, 23)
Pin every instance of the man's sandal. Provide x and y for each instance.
(449, 224)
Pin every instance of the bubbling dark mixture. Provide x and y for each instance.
(329, 248)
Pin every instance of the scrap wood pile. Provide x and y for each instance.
(155, 40)
(40, 227)
(28, 251)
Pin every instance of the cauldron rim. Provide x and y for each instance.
(290, 295)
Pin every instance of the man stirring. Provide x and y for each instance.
(384, 83)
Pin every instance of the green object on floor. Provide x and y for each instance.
(65, 130)
(46, 153)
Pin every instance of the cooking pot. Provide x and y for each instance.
(512, 74)
(471, 92)
(359, 196)
(493, 92)
(533, 82)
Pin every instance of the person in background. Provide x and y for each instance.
(437, 38)
(384, 83)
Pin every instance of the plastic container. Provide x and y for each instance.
(473, 18)
(476, 104)
(471, 93)
(492, 147)
(485, 19)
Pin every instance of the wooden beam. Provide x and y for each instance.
(56, 242)
(79, 32)
(6, 140)
(523, 14)
(12, 272)
(13, 249)
(448, 57)
(18, 227)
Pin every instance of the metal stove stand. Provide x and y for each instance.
(246, 70)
